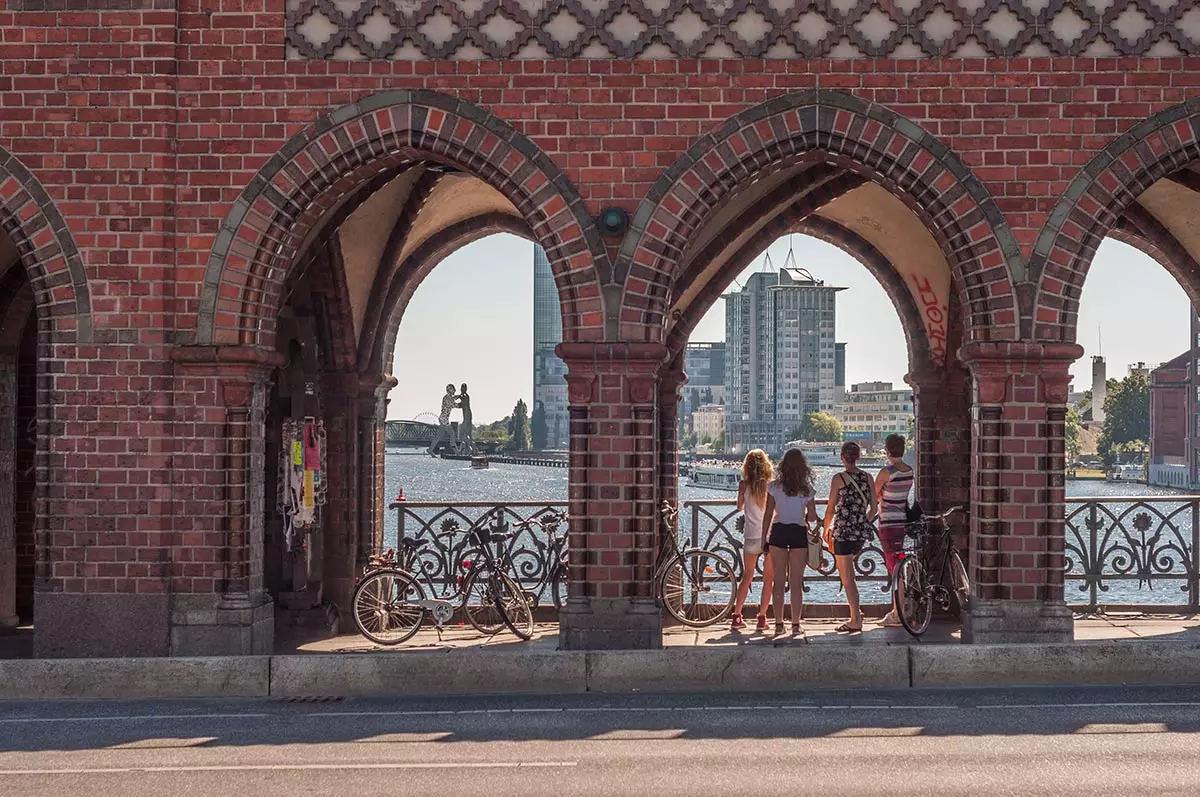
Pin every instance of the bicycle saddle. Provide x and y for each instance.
(412, 543)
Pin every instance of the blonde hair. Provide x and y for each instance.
(756, 473)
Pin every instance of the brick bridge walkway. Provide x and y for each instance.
(214, 216)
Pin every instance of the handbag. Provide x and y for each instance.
(814, 549)
(868, 525)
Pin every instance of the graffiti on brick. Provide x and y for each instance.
(934, 313)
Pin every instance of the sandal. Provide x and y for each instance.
(846, 628)
(796, 629)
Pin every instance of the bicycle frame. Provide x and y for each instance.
(923, 537)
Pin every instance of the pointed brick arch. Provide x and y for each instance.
(1101, 192)
(862, 137)
(47, 252)
(286, 203)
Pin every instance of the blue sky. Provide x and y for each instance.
(472, 321)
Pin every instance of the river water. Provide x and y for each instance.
(424, 478)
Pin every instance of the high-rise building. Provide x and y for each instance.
(549, 372)
(704, 364)
(780, 357)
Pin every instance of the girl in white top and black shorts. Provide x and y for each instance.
(752, 500)
(789, 511)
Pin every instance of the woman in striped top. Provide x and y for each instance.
(892, 486)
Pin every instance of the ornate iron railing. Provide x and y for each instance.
(1119, 547)
(713, 524)
(444, 559)
(1119, 551)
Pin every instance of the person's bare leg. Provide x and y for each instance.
(845, 566)
(748, 563)
(797, 561)
(779, 558)
(768, 571)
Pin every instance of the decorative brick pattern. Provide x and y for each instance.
(382, 135)
(499, 29)
(1092, 204)
(47, 251)
(830, 127)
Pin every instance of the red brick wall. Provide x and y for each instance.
(145, 126)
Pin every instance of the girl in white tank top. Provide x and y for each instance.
(751, 500)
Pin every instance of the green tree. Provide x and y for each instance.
(819, 427)
(538, 430)
(911, 434)
(1074, 434)
(518, 427)
(1126, 418)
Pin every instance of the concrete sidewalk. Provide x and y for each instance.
(1129, 626)
(1110, 651)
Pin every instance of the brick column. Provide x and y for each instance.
(1018, 495)
(339, 515)
(669, 384)
(942, 448)
(613, 496)
(238, 617)
(372, 439)
(8, 458)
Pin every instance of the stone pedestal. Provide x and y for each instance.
(1018, 621)
(610, 624)
(229, 626)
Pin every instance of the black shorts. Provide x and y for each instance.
(788, 535)
(847, 547)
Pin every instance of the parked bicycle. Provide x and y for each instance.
(390, 605)
(546, 567)
(696, 586)
(918, 583)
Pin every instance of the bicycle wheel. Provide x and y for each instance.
(478, 606)
(385, 609)
(698, 588)
(513, 605)
(914, 604)
(960, 581)
(558, 586)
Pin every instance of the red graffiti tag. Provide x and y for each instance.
(934, 314)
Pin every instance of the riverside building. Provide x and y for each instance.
(780, 357)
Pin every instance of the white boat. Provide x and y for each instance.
(715, 477)
(819, 455)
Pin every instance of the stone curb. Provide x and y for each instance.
(718, 669)
(1068, 663)
(201, 676)
(428, 672)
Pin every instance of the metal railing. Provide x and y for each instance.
(445, 559)
(1119, 551)
(1124, 547)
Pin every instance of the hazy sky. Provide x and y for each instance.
(472, 321)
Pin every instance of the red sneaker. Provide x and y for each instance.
(738, 622)
(761, 625)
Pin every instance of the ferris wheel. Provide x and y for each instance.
(427, 418)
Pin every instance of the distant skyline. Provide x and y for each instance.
(471, 321)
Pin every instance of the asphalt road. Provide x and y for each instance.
(978, 742)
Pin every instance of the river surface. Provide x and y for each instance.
(424, 478)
